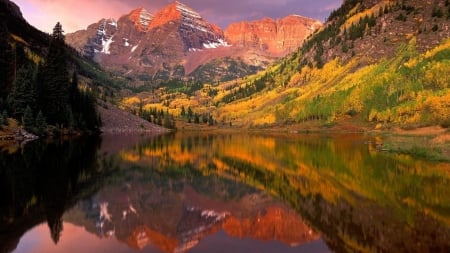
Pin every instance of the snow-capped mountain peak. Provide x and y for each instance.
(141, 18)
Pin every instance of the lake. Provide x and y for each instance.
(193, 192)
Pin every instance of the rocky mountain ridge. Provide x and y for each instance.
(176, 40)
(278, 37)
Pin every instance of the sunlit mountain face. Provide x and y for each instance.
(177, 42)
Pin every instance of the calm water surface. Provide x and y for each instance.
(221, 193)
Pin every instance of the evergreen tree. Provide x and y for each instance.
(23, 93)
(183, 111)
(5, 118)
(58, 33)
(5, 64)
(41, 124)
(54, 95)
(190, 113)
(28, 120)
(74, 93)
(211, 120)
(167, 122)
(197, 119)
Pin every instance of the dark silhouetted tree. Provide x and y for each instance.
(28, 119)
(41, 124)
(5, 64)
(23, 93)
(54, 95)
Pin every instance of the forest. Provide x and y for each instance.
(42, 92)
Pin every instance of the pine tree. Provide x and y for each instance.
(5, 63)
(54, 95)
(197, 119)
(5, 118)
(23, 93)
(58, 33)
(28, 120)
(74, 93)
(41, 124)
(211, 120)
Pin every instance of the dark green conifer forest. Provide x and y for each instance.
(44, 92)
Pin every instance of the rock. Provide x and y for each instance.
(277, 37)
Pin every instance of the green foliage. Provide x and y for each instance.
(28, 119)
(5, 118)
(345, 8)
(6, 69)
(41, 124)
(159, 117)
(183, 111)
(223, 70)
(248, 90)
(186, 87)
(54, 81)
(23, 93)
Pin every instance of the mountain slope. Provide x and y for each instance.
(390, 73)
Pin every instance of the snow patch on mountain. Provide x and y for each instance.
(135, 47)
(113, 22)
(145, 17)
(220, 43)
(104, 214)
(106, 43)
(187, 12)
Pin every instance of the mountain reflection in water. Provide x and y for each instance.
(222, 193)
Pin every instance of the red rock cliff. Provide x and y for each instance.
(276, 37)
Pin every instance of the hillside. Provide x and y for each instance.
(45, 84)
(392, 73)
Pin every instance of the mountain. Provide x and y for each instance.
(276, 37)
(175, 41)
(152, 47)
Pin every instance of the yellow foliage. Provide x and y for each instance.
(132, 101)
(438, 74)
(354, 18)
(19, 39)
(434, 51)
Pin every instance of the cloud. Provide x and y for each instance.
(78, 14)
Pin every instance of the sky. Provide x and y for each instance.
(78, 14)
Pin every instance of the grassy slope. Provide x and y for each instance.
(409, 89)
